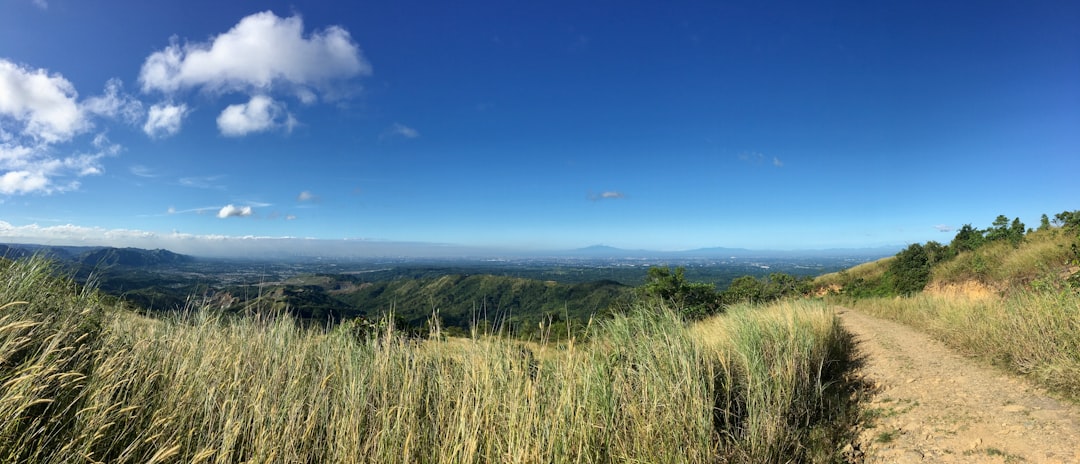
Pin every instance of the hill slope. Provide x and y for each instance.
(1011, 303)
(83, 381)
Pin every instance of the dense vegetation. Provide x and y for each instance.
(694, 300)
(83, 381)
(1009, 295)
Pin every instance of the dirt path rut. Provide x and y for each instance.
(932, 405)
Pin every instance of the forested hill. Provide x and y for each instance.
(461, 301)
(96, 257)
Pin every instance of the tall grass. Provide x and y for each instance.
(80, 382)
(1005, 265)
(1032, 332)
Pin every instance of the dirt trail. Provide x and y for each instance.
(932, 405)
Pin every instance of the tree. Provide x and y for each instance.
(1067, 219)
(999, 229)
(911, 270)
(693, 299)
(937, 253)
(1044, 223)
(1016, 232)
(745, 289)
(779, 285)
(967, 239)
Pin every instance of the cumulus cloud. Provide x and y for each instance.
(259, 114)
(40, 106)
(40, 110)
(22, 182)
(233, 211)
(164, 119)
(260, 52)
(306, 196)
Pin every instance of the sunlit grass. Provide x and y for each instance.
(1005, 265)
(1036, 333)
(81, 382)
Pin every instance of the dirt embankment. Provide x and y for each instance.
(929, 404)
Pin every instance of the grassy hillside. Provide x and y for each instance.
(83, 382)
(1014, 304)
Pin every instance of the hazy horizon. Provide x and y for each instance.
(252, 246)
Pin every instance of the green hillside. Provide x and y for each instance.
(460, 301)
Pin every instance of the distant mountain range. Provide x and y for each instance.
(138, 257)
(96, 257)
(604, 251)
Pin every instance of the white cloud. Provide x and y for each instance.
(204, 182)
(40, 106)
(608, 195)
(41, 4)
(776, 162)
(250, 246)
(234, 211)
(164, 119)
(14, 182)
(259, 114)
(262, 51)
(943, 228)
(142, 171)
(403, 131)
(306, 196)
(115, 103)
(38, 112)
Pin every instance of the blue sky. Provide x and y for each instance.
(533, 125)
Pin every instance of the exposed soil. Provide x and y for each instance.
(929, 404)
(971, 289)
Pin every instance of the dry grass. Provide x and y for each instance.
(1002, 265)
(84, 383)
(1008, 304)
(1035, 333)
(867, 271)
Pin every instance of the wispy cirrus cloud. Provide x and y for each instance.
(202, 182)
(400, 130)
(607, 195)
(758, 158)
(943, 228)
(139, 170)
